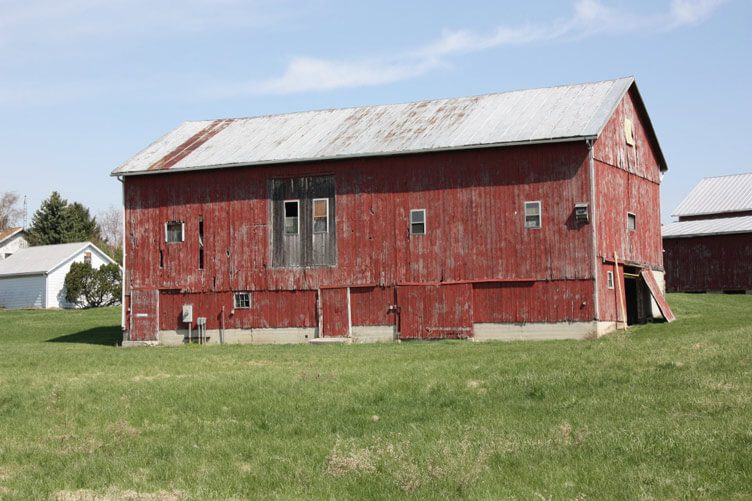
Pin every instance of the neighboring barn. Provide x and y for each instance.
(490, 217)
(710, 248)
(11, 240)
(34, 277)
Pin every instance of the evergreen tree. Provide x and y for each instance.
(79, 225)
(58, 222)
(49, 222)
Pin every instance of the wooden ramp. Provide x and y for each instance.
(655, 291)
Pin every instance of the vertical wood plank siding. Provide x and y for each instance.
(710, 263)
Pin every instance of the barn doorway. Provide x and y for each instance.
(636, 296)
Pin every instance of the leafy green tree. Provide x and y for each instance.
(90, 287)
(58, 222)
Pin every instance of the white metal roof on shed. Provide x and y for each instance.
(718, 195)
(706, 227)
(568, 112)
(42, 259)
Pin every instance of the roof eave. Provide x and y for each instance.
(713, 234)
(117, 173)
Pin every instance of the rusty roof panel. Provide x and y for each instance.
(556, 113)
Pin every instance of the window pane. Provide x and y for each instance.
(242, 300)
(418, 228)
(417, 216)
(320, 208)
(532, 208)
(631, 221)
(291, 217)
(320, 215)
(291, 209)
(175, 231)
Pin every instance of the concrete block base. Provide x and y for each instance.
(288, 335)
(541, 331)
(374, 333)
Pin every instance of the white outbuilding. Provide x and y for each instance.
(34, 277)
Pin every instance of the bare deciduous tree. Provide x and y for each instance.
(10, 214)
(110, 223)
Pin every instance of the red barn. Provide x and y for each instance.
(710, 248)
(527, 214)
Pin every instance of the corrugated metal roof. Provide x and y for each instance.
(9, 232)
(567, 112)
(40, 259)
(704, 227)
(717, 195)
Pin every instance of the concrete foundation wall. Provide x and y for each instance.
(541, 331)
(387, 333)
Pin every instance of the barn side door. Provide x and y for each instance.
(655, 291)
(144, 315)
(334, 312)
(435, 311)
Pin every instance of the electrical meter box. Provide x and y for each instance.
(187, 313)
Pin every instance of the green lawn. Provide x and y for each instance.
(664, 411)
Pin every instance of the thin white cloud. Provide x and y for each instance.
(27, 20)
(590, 18)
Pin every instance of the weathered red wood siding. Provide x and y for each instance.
(523, 302)
(335, 315)
(627, 181)
(710, 263)
(474, 203)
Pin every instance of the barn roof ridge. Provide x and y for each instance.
(404, 103)
(527, 116)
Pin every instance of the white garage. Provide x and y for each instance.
(34, 277)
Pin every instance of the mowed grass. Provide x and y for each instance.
(664, 411)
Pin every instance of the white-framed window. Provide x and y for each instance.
(174, 231)
(321, 215)
(533, 215)
(292, 217)
(418, 221)
(631, 221)
(242, 300)
(610, 279)
(87, 258)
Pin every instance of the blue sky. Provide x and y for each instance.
(85, 84)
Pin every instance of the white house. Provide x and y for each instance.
(34, 277)
(11, 240)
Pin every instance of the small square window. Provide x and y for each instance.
(174, 231)
(418, 222)
(321, 215)
(610, 279)
(292, 217)
(631, 221)
(532, 215)
(242, 300)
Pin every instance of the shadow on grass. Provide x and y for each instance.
(106, 336)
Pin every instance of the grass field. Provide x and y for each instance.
(664, 411)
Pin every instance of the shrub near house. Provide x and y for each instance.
(90, 287)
